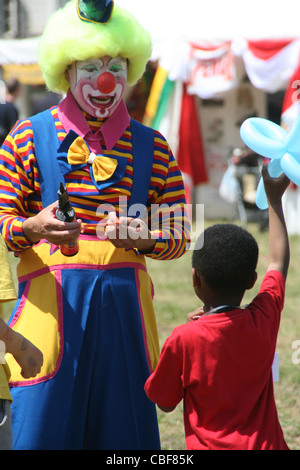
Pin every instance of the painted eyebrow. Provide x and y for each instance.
(92, 63)
(83, 66)
(117, 61)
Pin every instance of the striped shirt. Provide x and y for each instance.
(20, 195)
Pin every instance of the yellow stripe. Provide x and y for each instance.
(155, 93)
(26, 133)
(152, 342)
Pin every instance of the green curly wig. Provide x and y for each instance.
(67, 38)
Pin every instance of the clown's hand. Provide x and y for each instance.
(126, 232)
(45, 225)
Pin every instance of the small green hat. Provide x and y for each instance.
(96, 11)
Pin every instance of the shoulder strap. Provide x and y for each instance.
(143, 151)
(46, 144)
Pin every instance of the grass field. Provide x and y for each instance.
(174, 298)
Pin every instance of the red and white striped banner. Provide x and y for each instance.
(270, 63)
(211, 70)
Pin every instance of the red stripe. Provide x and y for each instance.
(211, 47)
(266, 49)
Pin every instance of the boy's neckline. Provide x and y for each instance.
(223, 309)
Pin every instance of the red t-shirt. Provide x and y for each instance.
(221, 365)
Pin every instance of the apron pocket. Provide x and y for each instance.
(38, 317)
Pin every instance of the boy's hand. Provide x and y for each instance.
(274, 187)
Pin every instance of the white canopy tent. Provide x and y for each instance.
(173, 21)
(18, 51)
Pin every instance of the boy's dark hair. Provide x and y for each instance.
(227, 259)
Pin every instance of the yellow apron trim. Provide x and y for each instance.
(148, 323)
(92, 251)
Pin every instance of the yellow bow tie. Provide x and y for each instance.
(79, 153)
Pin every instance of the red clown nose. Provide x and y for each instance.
(106, 83)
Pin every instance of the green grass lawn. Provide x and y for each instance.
(174, 298)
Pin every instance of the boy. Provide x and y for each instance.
(221, 363)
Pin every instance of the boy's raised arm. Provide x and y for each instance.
(279, 251)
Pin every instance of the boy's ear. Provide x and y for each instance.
(253, 281)
(196, 278)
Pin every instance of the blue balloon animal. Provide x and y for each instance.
(282, 148)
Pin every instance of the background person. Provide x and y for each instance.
(9, 113)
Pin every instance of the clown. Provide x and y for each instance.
(91, 314)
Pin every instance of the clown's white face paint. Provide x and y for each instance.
(98, 85)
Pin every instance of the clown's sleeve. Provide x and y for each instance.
(167, 215)
(17, 174)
